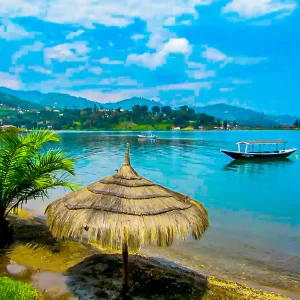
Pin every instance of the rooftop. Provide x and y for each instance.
(261, 142)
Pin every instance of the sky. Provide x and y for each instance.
(194, 52)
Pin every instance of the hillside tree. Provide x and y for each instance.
(155, 110)
(167, 110)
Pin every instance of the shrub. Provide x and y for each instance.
(16, 290)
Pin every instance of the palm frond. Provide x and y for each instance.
(27, 170)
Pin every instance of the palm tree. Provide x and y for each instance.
(28, 170)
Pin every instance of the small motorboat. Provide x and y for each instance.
(257, 149)
(147, 136)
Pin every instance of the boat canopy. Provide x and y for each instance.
(262, 142)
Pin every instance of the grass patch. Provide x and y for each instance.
(142, 127)
(16, 290)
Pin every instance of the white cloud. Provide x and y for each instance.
(10, 81)
(39, 69)
(17, 69)
(248, 60)
(226, 90)
(11, 31)
(24, 50)
(153, 60)
(241, 81)
(137, 37)
(87, 13)
(125, 81)
(67, 52)
(170, 21)
(159, 37)
(186, 22)
(187, 86)
(216, 56)
(151, 93)
(247, 9)
(217, 101)
(195, 65)
(95, 70)
(198, 70)
(107, 61)
(201, 74)
(74, 34)
(110, 13)
(71, 71)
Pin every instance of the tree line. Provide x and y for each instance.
(98, 118)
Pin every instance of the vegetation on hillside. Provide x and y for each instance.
(9, 101)
(139, 118)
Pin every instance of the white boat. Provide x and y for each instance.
(146, 136)
(257, 150)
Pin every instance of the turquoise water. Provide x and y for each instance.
(254, 208)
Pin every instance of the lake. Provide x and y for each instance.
(254, 208)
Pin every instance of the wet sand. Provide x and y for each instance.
(72, 270)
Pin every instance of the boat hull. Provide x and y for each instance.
(252, 155)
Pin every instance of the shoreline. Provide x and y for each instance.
(33, 219)
(171, 130)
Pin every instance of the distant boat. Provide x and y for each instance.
(147, 136)
(257, 149)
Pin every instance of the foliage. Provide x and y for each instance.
(225, 124)
(12, 129)
(28, 170)
(139, 118)
(16, 290)
(297, 123)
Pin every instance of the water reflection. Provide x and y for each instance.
(257, 166)
(146, 141)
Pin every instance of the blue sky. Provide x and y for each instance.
(195, 52)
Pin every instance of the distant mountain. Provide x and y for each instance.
(51, 99)
(246, 117)
(67, 101)
(127, 104)
(284, 119)
(10, 101)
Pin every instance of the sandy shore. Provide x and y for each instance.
(72, 270)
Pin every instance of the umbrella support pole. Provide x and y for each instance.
(125, 267)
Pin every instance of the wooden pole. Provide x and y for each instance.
(125, 267)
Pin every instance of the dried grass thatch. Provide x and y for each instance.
(126, 208)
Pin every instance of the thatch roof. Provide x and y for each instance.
(126, 207)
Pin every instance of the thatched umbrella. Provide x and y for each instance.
(125, 211)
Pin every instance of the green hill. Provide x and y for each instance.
(58, 100)
(51, 99)
(9, 101)
(246, 117)
(127, 104)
